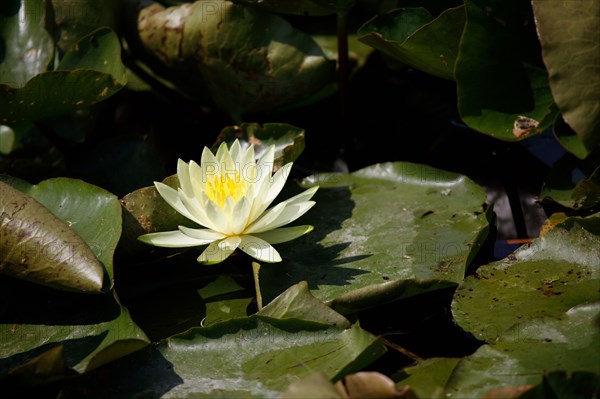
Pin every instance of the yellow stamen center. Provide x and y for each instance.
(228, 184)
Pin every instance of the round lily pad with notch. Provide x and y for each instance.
(384, 232)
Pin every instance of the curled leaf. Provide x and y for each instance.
(36, 245)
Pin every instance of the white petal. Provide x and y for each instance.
(271, 216)
(183, 173)
(228, 165)
(259, 249)
(218, 251)
(303, 196)
(235, 150)
(266, 218)
(277, 183)
(171, 239)
(284, 234)
(239, 217)
(288, 215)
(209, 165)
(265, 167)
(207, 235)
(221, 151)
(217, 217)
(170, 195)
(247, 157)
(196, 179)
(194, 207)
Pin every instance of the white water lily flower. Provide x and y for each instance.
(228, 194)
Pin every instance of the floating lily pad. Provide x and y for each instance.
(543, 279)
(84, 226)
(248, 357)
(90, 72)
(531, 349)
(560, 188)
(245, 59)
(503, 90)
(429, 377)
(412, 36)
(387, 231)
(298, 303)
(49, 334)
(532, 352)
(567, 32)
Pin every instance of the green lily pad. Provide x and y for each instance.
(559, 187)
(555, 272)
(568, 139)
(387, 231)
(175, 294)
(298, 303)
(529, 350)
(429, 377)
(249, 357)
(413, 37)
(75, 19)
(90, 72)
(146, 212)
(38, 246)
(567, 32)
(560, 384)
(89, 220)
(246, 60)
(27, 47)
(538, 351)
(93, 213)
(501, 89)
(49, 335)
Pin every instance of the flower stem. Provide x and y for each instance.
(255, 270)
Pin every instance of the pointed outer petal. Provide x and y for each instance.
(302, 197)
(288, 215)
(171, 239)
(193, 207)
(172, 197)
(248, 156)
(227, 163)
(198, 185)
(221, 151)
(209, 165)
(266, 218)
(235, 150)
(183, 173)
(259, 249)
(239, 217)
(207, 235)
(278, 181)
(217, 218)
(284, 234)
(218, 251)
(265, 167)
